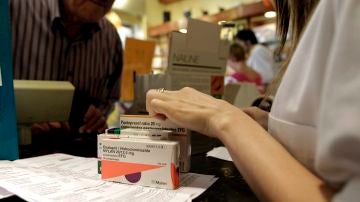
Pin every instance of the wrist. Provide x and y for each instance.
(232, 123)
(222, 123)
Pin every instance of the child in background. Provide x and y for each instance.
(241, 72)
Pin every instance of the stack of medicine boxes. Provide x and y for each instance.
(147, 152)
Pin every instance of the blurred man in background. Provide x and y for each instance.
(69, 40)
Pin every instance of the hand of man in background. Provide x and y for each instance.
(94, 121)
(40, 128)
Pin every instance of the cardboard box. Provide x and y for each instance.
(180, 134)
(144, 162)
(198, 60)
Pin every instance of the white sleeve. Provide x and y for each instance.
(350, 191)
(338, 153)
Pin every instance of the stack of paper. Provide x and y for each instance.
(61, 177)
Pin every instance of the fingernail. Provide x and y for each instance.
(81, 131)
(160, 116)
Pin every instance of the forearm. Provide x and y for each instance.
(268, 167)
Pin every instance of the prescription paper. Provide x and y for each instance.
(5, 193)
(62, 177)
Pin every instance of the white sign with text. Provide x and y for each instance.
(198, 59)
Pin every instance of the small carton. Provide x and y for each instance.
(144, 162)
(180, 134)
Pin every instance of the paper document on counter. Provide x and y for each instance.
(220, 153)
(5, 193)
(62, 177)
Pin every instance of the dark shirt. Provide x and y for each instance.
(41, 51)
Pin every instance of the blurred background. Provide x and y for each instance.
(156, 19)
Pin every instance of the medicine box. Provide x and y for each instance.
(142, 162)
(180, 134)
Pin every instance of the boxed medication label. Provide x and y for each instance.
(142, 162)
(146, 134)
(180, 134)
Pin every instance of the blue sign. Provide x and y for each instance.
(8, 132)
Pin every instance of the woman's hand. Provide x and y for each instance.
(259, 115)
(192, 109)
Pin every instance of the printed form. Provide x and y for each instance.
(62, 177)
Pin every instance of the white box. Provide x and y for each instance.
(197, 60)
(144, 162)
(42, 101)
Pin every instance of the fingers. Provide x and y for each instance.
(160, 117)
(40, 128)
(60, 125)
(154, 94)
(167, 110)
(188, 108)
(99, 126)
(91, 112)
(94, 121)
(164, 95)
(55, 125)
(160, 108)
(50, 126)
(94, 125)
